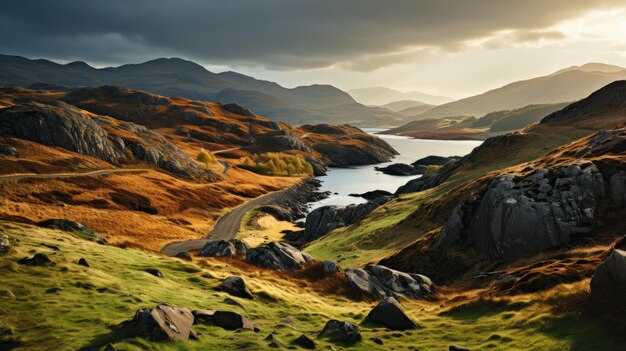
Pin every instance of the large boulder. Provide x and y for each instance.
(277, 255)
(341, 332)
(380, 282)
(224, 248)
(517, 217)
(37, 260)
(235, 286)
(5, 244)
(608, 285)
(389, 313)
(223, 319)
(326, 218)
(162, 323)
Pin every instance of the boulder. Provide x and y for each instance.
(154, 271)
(53, 290)
(341, 332)
(522, 216)
(37, 260)
(161, 323)
(224, 319)
(224, 248)
(235, 286)
(608, 285)
(401, 169)
(83, 262)
(274, 342)
(380, 282)
(329, 267)
(277, 255)
(305, 342)
(5, 244)
(389, 313)
(326, 218)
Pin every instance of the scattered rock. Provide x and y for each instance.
(341, 332)
(608, 285)
(277, 255)
(224, 248)
(83, 262)
(5, 244)
(223, 319)
(236, 286)
(390, 314)
(458, 348)
(274, 342)
(162, 323)
(305, 342)
(9, 151)
(233, 302)
(53, 290)
(51, 247)
(155, 272)
(326, 218)
(378, 341)
(380, 282)
(65, 225)
(37, 260)
(330, 267)
(184, 256)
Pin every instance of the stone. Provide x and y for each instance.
(235, 286)
(378, 341)
(83, 262)
(224, 319)
(326, 218)
(329, 267)
(66, 225)
(184, 256)
(155, 272)
(389, 313)
(162, 323)
(277, 255)
(5, 244)
(380, 282)
(341, 332)
(53, 290)
(274, 342)
(37, 260)
(305, 342)
(233, 302)
(224, 248)
(608, 285)
(457, 348)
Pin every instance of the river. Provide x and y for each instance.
(341, 182)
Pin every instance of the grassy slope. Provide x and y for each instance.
(77, 317)
(386, 230)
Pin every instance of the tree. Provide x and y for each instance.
(205, 157)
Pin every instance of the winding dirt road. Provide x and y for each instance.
(20, 176)
(226, 227)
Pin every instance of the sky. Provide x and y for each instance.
(455, 48)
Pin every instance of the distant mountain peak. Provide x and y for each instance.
(379, 96)
(79, 64)
(592, 67)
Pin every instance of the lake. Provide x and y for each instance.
(360, 179)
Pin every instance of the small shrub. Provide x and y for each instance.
(205, 157)
(277, 163)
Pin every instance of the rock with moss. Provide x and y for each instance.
(224, 248)
(278, 255)
(390, 313)
(380, 282)
(161, 323)
(341, 332)
(235, 286)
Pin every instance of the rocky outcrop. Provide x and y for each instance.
(65, 225)
(324, 219)
(380, 282)
(238, 109)
(523, 216)
(305, 342)
(292, 204)
(430, 181)
(434, 161)
(223, 319)
(608, 285)
(389, 313)
(116, 93)
(224, 248)
(277, 255)
(341, 332)
(37, 260)
(401, 169)
(282, 140)
(235, 286)
(161, 323)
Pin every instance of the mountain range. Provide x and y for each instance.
(380, 96)
(178, 77)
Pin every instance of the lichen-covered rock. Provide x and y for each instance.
(517, 217)
(162, 323)
(224, 248)
(277, 255)
(608, 285)
(341, 332)
(389, 313)
(380, 282)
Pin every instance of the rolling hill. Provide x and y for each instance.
(381, 95)
(178, 77)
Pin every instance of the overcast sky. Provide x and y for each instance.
(451, 47)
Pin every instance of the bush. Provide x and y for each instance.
(277, 163)
(205, 157)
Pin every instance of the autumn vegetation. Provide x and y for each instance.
(277, 163)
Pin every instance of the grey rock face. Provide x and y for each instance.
(5, 244)
(285, 139)
(452, 229)
(389, 313)
(324, 219)
(277, 255)
(236, 286)
(224, 248)
(60, 126)
(617, 188)
(162, 323)
(543, 210)
(341, 331)
(381, 282)
(608, 285)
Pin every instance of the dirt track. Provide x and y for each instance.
(20, 176)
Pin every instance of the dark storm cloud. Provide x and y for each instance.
(287, 34)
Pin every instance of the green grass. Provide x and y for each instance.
(79, 316)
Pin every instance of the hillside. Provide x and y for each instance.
(380, 96)
(571, 84)
(178, 77)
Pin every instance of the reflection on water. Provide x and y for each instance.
(346, 181)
